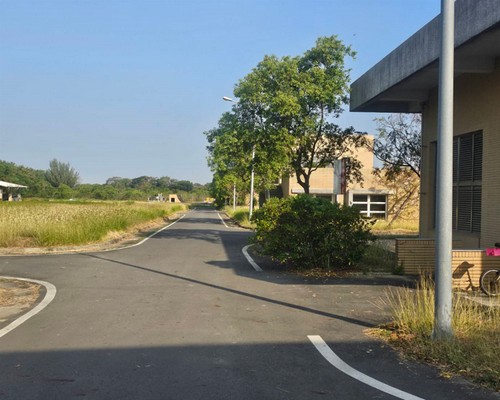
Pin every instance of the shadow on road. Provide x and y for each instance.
(216, 371)
(237, 292)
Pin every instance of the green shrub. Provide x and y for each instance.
(311, 232)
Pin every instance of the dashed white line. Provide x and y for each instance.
(49, 296)
(250, 259)
(337, 362)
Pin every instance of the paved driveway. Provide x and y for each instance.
(185, 316)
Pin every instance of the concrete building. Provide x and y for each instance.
(406, 81)
(370, 196)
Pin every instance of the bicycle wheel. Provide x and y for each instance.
(490, 282)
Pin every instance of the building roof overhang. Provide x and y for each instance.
(401, 82)
(4, 184)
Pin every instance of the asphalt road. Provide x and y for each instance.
(185, 316)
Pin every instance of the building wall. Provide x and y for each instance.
(477, 107)
(322, 179)
(417, 256)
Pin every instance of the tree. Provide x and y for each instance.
(229, 156)
(291, 102)
(60, 173)
(399, 142)
(398, 146)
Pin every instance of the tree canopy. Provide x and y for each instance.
(286, 109)
(60, 173)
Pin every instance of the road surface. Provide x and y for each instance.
(185, 316)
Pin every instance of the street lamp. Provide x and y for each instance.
(252, 176)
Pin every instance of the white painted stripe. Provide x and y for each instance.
(154, 233)
(250, 259)
(333, 359)
(222, 219)
(49, 296)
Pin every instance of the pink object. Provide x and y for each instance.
(493, 251)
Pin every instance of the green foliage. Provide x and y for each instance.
(293, 102)
(60, 173)
(312, 232)
(115, 188)
(34, 179)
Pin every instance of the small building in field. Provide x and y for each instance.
(10, 191)
(173, 198)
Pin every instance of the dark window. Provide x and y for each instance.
(467, 175)
(360, 197)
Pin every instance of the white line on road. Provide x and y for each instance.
(222, 219)
(49, 296)
(250, 259)
(337, 362)
(153, 234)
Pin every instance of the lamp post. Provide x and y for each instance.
(252, 176)
(443, 299)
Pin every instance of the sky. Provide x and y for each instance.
(126, 88)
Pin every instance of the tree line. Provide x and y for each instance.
(61, 181)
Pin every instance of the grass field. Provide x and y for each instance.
(58, 223)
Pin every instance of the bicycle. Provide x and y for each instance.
(489, 280)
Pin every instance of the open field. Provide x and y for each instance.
(58, 223)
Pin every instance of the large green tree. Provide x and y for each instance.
(60, 173)
(292, 103)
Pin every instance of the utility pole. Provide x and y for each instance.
(443, 293)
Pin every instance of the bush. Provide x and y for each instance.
(311, 232)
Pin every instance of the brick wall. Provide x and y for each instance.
(418, 256)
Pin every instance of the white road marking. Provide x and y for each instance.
(49, 296)
(222, 219)
(333, 359)
(150, 236)
(250, 259)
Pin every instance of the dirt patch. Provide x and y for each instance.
(16, 297)
(14, 291)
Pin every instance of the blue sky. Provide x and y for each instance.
(127, 87)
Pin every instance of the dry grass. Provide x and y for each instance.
(398, 226)
(240, 215)
(474, 351)
(43, 223)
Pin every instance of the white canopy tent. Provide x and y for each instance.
(4, 184)
(7, 187)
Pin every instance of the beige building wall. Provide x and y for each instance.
(322, 179)
(477, 107)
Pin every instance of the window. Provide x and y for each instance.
(467, 175)
(371, 205)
